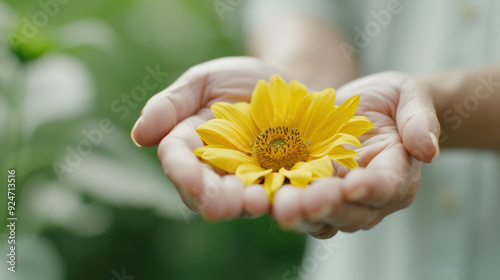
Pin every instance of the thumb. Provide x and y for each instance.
(230, 79)
(165, 109)
(417, 122)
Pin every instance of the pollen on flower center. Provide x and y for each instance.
(278, 147)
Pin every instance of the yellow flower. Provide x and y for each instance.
(285, 135)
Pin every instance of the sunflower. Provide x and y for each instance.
(284, 135)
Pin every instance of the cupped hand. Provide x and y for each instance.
(405, 134)
(169, 119)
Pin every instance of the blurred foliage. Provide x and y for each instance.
(116, 41)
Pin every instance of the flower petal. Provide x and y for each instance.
(347, 162)
(301, 110)
(297, 90)
(317, 112)
(297, 93)
(225, 159)
(238, 114)
(357, 126)
(336, 119)
(300, 175)
(321, 167)
(226, 133)
(201, 150)
(341, 152)
(324, 148)
(251, 173)
(272, 183)
(280, 98)
(261, 106)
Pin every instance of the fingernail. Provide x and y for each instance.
(357, 194)
(436, 145)
(320, 214)
(132, 132)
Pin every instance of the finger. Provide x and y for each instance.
(326, 232)
(339, 170)
(386, 180)
(319, 197)
(213, 202)
(164, 110)
(417, 122)
(177, 159)
(376, 221)
(317, 201)
(255, 200)
(222, 197)
(304, 226)
(287, 206)
(229, 79)
(234, 192)
(201, 188)
(350, 217)
(291, 213)
(336, 212)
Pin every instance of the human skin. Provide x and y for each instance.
(400, 106)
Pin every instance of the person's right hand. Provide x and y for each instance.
(169, 119)
(405, 133)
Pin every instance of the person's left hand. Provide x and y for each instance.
(170, 118)
(405, 134)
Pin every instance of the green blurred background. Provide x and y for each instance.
(104, 209)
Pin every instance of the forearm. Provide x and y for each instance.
(305, 47)
(468, 107)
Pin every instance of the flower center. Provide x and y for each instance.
(278, 147)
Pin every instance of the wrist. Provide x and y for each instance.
(464, 104)
(443, 88)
